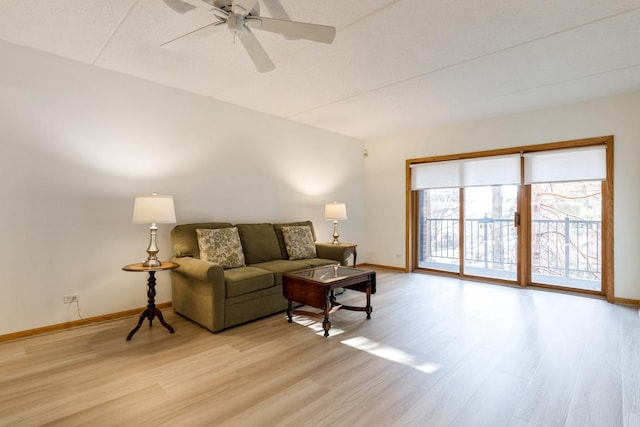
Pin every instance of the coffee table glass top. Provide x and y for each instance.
(328, 274)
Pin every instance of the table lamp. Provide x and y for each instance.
(153, 209)
(335, 211)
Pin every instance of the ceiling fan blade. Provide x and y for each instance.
(302, 30)
(197, 34)
(220, 13)
(257, 53)
(179, 6)
(277, 11)
(243, 7)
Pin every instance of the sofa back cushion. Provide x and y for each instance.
(299, 242)
(185, 239)
(259, 243)
(221, 246)
(278, 228)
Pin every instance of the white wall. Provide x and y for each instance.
(78, 143)
(617, 115)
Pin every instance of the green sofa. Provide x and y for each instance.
(218, 298)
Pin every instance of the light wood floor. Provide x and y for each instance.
(436, 352)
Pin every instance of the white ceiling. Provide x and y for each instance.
(394, 67)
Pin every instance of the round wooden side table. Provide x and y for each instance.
(151, 311)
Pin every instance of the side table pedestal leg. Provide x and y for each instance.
(151, 311)
(143, 316)
(162, 322)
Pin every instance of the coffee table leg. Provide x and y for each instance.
(328, 305)
(326, 324)
(290, 311)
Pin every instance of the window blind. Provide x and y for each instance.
(573, 164)
(480, 171)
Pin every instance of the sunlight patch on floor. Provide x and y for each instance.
(391, 353)
(316, 326)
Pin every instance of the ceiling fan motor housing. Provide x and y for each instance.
(236, 24)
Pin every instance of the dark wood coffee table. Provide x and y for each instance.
(315, 287)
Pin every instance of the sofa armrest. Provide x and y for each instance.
(199, 270)
(330, 251)
(198, 292)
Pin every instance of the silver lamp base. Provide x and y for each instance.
(152, 250)
(152, 261)
(335, 233)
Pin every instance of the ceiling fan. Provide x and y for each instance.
(242, 15)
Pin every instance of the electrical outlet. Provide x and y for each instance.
(67, 299)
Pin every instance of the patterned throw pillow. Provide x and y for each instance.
(299, 242)
(221, 246)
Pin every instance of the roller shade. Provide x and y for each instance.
(480, 171)
(574, 164)
(436, 175)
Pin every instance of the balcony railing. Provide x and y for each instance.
(566, 249)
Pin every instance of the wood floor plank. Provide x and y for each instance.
(437, 351)
(442, 403)
(632, 420)
(494, 403)
(355, 391)
(548, 395)
(588, 407)
(517, 422)
(105, 413)
(270, 411)
(631, 369)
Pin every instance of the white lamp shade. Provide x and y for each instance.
(335, 211)
(154, 208)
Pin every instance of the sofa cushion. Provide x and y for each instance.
(244, 280)
(259, 243)
(280, 236)
(280, 266)
(185, 239)
(221, 246)
(299, 242)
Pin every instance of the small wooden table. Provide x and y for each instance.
(151, 311)
(315, 287)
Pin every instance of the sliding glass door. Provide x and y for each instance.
(439, 229)
(490, 234)
(465, 216)
(540, 216)
(566, 235)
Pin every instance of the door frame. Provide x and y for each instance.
(524, 208)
